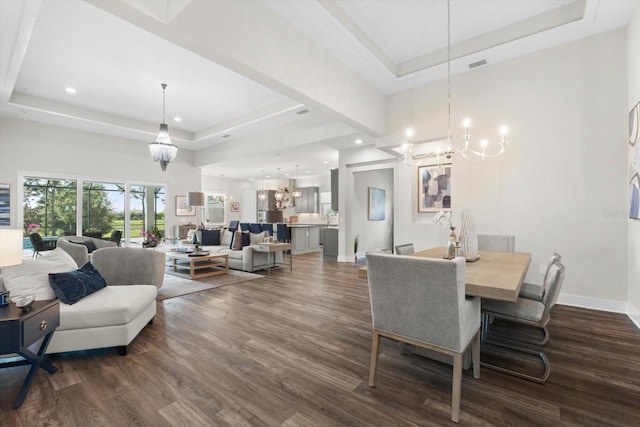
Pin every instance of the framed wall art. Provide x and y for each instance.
(182, 209)
(377, 201)
(5, 204)
(434, 188)
(634, 160)
(234, 207)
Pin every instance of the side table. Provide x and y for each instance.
(20, 329)
(272, 248)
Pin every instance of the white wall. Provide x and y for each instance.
(633, 80)
(561, 184)
(32, 147)
(374, 235)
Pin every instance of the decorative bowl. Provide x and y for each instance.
(25, 302)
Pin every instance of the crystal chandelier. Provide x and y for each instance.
(279, 193)
(162, 150)
(412, 158)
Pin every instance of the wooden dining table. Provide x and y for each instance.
(495, 275)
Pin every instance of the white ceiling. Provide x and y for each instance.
(117, 68)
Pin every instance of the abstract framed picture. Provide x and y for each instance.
(182, 209)
(434, 188)
(234, 207)
(5, 204)
(377, 200)
(634, 160)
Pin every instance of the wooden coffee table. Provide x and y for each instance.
(196, 267)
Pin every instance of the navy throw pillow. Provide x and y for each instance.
(210, 237)
(71, 287)
(88, 243)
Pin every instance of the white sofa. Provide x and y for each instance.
(110, 317)
(245, 259)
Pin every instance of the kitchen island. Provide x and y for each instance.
(305, 237)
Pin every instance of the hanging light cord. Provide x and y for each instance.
(164, 87)
(449, 71)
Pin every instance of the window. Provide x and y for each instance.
(49, 206)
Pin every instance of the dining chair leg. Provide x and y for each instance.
(475, 355)
(375, 347)
(456, 387)
(543, 358)
(402, 347)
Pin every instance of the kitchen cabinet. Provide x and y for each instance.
(308, 202)
(334, 189)
(330, 247)
(305, 238)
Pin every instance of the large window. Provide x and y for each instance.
(55, 207)
(50, 206)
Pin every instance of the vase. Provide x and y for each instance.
(453, 244)
(468, 236)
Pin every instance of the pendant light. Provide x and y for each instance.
(279, 193)
(162, 150)
(296, 190)
(262, 195)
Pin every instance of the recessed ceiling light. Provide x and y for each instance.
(267, 176)
(358, 141)
(325, 162)
(177, 119)
(302, 112)
(286, 174)
(70, 90)
(308, 171)
(226, 135)
(250, 179)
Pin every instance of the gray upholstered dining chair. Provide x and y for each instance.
(534, 291)
(497, 242)
(421, 301)
(527, 312)
(405, 249)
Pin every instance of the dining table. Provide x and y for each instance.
(495, 275)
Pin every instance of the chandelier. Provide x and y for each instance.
(162, 150)
(411, 157)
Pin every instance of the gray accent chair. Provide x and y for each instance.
(421, 301)
(497, 242)
(406, 249)
(79, 252)
(529, 313)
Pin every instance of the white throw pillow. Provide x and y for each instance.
(225, 239)
(258, 238)
(32, 276)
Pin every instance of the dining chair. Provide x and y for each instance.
(116, 236)
(421, 301)
(283, 233)
(268, 227)
(255, 228)
(40, 245)
(534, 291)
(244, 226)
(497, 242)
(530, 313)
(233, 225)
(406, 249)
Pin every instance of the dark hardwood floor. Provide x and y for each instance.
(293, 349)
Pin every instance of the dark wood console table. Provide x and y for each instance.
(19, 329)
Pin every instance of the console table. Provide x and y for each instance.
(20, 329)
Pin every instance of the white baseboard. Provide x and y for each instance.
(634, 314)
(593, 303)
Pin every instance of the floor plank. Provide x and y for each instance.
(292, 349)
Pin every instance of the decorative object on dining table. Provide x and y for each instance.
(443, 218)
(468, 236)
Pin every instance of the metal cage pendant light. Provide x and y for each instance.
(411, 158)
(279, 193)
(162, 150)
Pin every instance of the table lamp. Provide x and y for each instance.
(195, 198)
(10, 254)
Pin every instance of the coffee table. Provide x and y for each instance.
(198, 266)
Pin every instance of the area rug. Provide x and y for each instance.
(174, 286)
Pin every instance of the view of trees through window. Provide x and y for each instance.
(51, 208)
